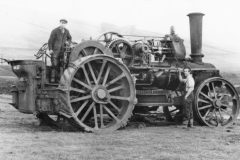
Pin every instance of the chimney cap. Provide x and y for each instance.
(195, 13)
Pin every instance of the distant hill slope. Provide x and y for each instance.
(5, 70)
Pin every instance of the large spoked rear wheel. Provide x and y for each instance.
(101, 93)
(216, 102)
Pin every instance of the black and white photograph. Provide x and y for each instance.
(119, 80)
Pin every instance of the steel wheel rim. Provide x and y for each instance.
(216, 102)
(103, 92)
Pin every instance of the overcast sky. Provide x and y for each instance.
(221, 25)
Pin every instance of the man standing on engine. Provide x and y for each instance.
(188, 97)
(58, 38)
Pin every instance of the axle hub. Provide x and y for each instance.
(100, 94)
(217, 103)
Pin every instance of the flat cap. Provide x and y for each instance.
(63, 21)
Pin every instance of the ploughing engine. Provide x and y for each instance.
(107, 80)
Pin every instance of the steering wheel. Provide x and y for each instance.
(42, 51)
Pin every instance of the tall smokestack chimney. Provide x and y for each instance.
(195, 20)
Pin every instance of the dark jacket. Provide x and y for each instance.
(57, 39)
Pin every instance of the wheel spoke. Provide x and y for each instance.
(92, 73)
(87, 112)
(201, 100)
(84, 52)
(81, 108)
(214, 92)
(115, 80)
(113, 116)
(86, 75)
(115, 89)
(117, 48)
(208, 88)
(80, 98)
(101, 115)
(95, 116)
(95, 51)
(114, 106)
(204, 107)
(77, 90)
(206, 96)
(81, 83)
(221, 96)
(101, 71)
(120, 98)
(205, 115)
(106, 76)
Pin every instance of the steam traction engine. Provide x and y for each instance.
(108, 80)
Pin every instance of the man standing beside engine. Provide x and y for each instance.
(59, 37)
(188, 97)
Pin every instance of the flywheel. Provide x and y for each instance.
(122, 49)
(100, 93)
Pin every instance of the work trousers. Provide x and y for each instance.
(187, 107)
(56, 60)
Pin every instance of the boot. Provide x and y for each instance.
(185, 124)
(191, 123)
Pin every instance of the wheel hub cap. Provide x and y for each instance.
(101, 93)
